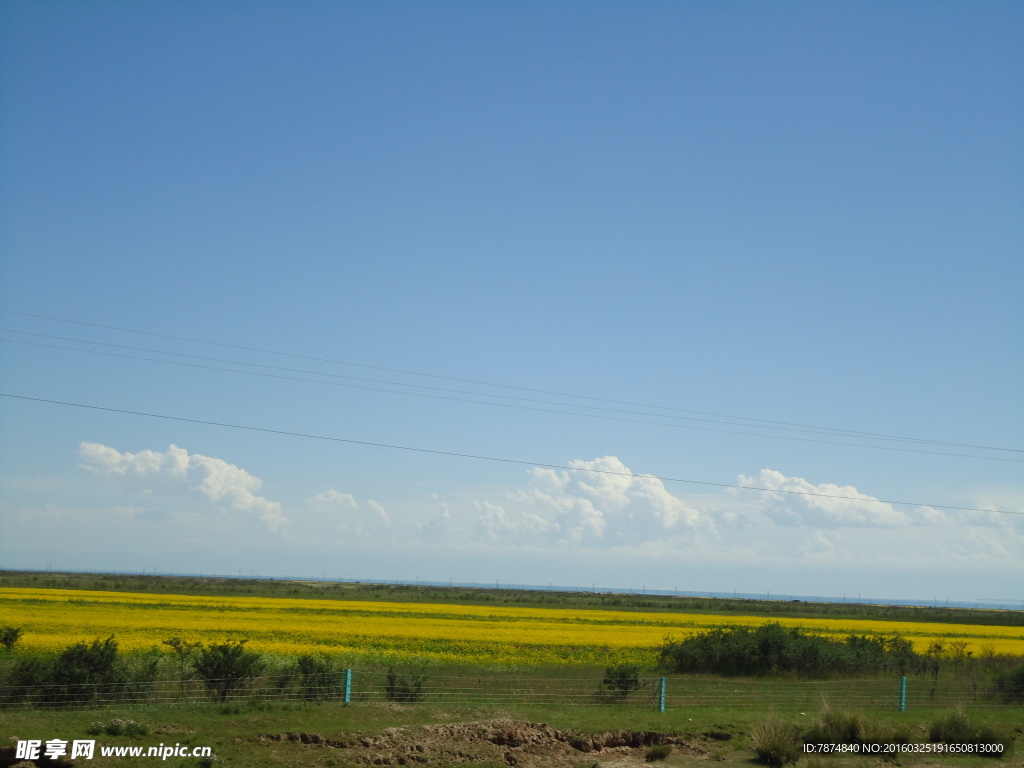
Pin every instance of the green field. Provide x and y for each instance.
(239, 735)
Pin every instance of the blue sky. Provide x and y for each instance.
(808, 213)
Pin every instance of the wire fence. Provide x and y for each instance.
(505, 688)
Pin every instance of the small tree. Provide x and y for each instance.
(226, 667)
(9, 636)
(933, 663)
(184, 651)
(621, 680)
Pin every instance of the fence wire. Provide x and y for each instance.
(577, 690)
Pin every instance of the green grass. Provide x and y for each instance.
(236, 736)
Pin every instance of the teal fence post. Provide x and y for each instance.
(661, 696)
(348, 686)
(903, 694)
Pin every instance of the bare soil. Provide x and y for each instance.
(501, 740)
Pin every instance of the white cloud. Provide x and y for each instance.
(228, 486)
(496, 524)
(599, 502)
(795, 503)
(332, 500)
(440, 525)
(341, 513)
(378, 509)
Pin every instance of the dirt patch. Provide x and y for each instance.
(502, 740)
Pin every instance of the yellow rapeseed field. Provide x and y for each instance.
(53, 619)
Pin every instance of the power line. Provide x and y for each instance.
(501, 460)
(779, 424)
(862, 435)
(494, 404)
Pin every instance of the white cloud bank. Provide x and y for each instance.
(795, 501)
(228, 486)
(772, 520)
(599, 502)
(340, 513)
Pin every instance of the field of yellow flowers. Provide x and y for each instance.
(52, 619)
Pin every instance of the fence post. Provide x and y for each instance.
(661, 696)
(903, 694)
(348, 686)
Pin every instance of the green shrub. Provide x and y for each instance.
(83, 673)
(621, 680)
(772, 648)
(227, 667)
(140, 672)
(957, 728)
(1009, 685)
(953, 728)
(776, 743)
(657, 752)
(9, 636)
(839, 727)
(26, 681)
(404, 689)
(119, 727)
(836, 727)
(318, 679)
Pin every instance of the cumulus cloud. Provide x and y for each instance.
(599, 502)
(343, 514)
(441, 524)
(796, 501)
(228, 486)
(497, 524)
(379, 511)
(332, 500)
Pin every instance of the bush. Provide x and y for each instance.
(957, 728)
(657, 753)
(119, 727)
(26, 681)
(836, 727)
(226, 667)
(318, 679)
(771, 648)
(140, 675)
(1009, 685)
(777, 743)
(621, 680)
(9, 636)
(83, 673)
(404, 689)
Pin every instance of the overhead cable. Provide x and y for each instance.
(780, 424)
(509, 405)
(497, 459)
